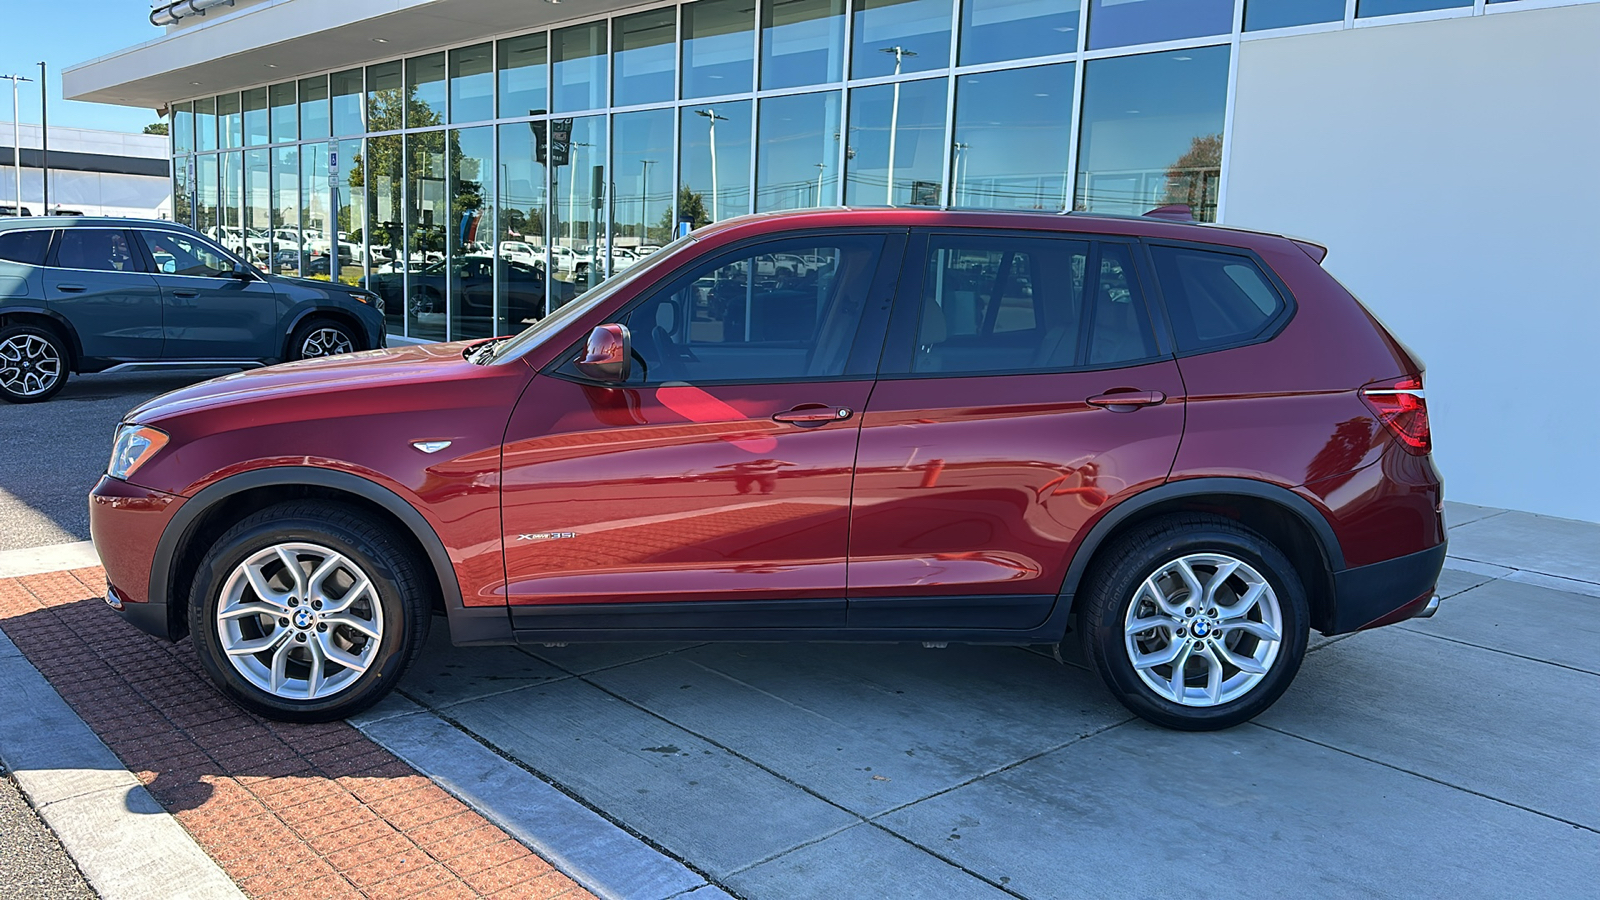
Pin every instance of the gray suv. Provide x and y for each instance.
(96, 295)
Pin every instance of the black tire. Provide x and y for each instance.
(28, 353)
(315, 339)
(1114, 583)
(396, 578)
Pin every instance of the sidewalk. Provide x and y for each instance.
(286, 811)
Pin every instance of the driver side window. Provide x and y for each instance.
(176, 254)
(782, 311)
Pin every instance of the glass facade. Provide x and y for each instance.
(477, 187)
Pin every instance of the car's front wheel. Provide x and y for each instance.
(322, 337)
(33, 364)
(308, 612)
(1195, 622)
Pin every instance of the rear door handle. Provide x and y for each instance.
(71, 288)
(812, 416)
(1127, 401)
(186, 295)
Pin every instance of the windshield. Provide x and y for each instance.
(537, 333)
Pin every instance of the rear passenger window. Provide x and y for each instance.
(97, 249)
(1020, 304)
(1214, 299)
(24, 246)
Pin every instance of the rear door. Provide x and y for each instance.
(1023, 390)
(209, 314)
(98, 280)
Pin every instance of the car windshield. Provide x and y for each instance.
(537, 333)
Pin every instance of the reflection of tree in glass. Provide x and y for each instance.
(691, 208)
(1192, 178)
(387, 111)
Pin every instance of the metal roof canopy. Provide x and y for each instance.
(229, 50)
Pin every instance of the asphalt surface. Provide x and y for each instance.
(56, 450)
(32, 863)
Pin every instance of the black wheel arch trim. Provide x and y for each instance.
(344, 317)
(74, 345)
(179, 530)
(1313, 518)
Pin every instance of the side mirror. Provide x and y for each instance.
(242, 272)
(608, 356)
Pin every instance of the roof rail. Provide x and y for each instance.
(1177, 212)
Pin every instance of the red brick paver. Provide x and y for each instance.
(288, 811)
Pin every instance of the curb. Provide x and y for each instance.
(608, 861)
(43, 560)
(121, 839)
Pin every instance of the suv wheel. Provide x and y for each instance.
(1195, 622)
(33, 364)
(321, 337)
(307, 612)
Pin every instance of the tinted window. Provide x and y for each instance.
(1021, 305)
(100, 249)
(177, 254)
(1214, 299)
(24, 246)
(786, 310)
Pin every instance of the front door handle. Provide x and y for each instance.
(186, 295)
(71, 288)
(812, 416)
(1126, 401)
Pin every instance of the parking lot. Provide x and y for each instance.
(1446, 757)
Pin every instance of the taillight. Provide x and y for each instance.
(1403, 409)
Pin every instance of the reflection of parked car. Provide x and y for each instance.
(94, 294)
(471, 279)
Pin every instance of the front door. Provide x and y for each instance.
(97, 279)
(210, 314)
(1023, 391)
(721, 470)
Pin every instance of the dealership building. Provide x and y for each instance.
(1443, 149)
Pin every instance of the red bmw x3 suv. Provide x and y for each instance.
(1184, 446)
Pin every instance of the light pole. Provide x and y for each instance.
(712, 118)
(961, 157)
(44, 133)
(822, 169)
(572, 189)
(644, 196)
(900, 53)
(16, 137)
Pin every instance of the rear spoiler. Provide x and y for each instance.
(1317, 252)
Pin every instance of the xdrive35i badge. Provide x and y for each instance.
(547, 536)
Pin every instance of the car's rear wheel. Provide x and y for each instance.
(1195, 622)
(308, 612)
(322, 337)
(33, 364)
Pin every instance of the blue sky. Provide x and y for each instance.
(37, 31)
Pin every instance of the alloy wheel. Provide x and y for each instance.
(29, 365)
(325, 342)
(1203, 629)
(300, 621)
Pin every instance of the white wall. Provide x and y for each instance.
(1451, 168)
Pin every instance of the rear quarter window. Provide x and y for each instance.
(1215, 299)
(24, 246)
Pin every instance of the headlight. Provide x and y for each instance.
(372, 300)
(135, 445)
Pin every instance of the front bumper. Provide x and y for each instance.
(126, 522)
(1387, 592)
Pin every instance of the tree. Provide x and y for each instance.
(156, 128)
(1192, 178)
(691, 208)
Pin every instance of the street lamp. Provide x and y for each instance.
(16, 137)
(644, 196)
(900, 53)
(822, 169)
(712, 118)
(961, 157)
